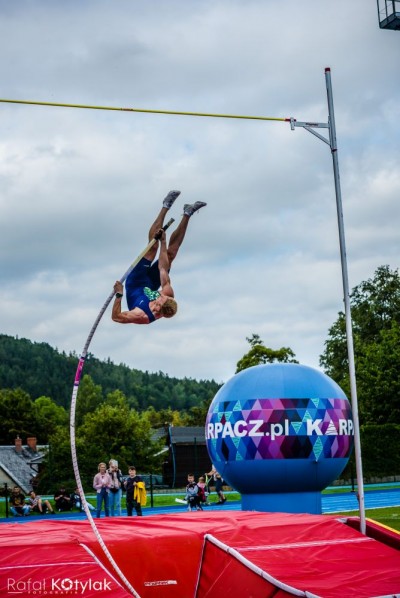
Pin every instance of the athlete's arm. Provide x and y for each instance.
(134, 316)
(116, 314)
(163, 266)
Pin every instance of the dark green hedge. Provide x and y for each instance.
(380, 452)
(380, 449)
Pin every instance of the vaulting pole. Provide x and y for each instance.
(78, 376)
(346, 293)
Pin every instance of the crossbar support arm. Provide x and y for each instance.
(308, 126)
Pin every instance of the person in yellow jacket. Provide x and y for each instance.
(135, 492)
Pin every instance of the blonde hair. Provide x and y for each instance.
(169, 308)
(100, 464)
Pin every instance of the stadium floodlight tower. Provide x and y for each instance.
(389, 14)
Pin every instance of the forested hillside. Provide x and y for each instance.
(41, 370)
(36, 384)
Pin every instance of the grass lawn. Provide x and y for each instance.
(367, 488)
(389, 516)
(159, 500)
(165, 500)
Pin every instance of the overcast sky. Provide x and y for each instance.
(79, 188)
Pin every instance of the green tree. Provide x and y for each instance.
(375, 308)
(381, 449)
(164, 417)
(37, 368)
(378, 379)
(260, 354)
(57, 467)
(113, 430)
(18, 416)
(49, 416)
(116, 431)
(41, 370)
(89, 397)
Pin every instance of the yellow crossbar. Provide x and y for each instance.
(174, 112)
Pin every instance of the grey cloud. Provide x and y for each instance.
(79, 188)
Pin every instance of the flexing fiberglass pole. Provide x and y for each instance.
(74, 399)
(349, 331)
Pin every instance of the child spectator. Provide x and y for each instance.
(36, 503)
(17, 503)
(202, 490)
(136, 497)
(192, 494)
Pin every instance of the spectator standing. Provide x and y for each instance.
(211, 478)
(102, 483)
(135, 492)
(115, 488)
(218, 488)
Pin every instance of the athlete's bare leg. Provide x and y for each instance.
(159, 222)
(179, 234)
(177, 238)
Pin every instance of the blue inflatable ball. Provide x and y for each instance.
(279, 428)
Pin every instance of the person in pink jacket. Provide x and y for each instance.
(102, 483)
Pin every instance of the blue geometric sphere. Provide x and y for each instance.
(279, 428)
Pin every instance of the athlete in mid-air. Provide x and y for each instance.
(149, 293)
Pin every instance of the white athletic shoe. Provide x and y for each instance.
(190, 209)
(170, 198)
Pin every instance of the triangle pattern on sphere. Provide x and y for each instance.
(331, 429)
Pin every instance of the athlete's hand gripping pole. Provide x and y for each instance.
(149, 246)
